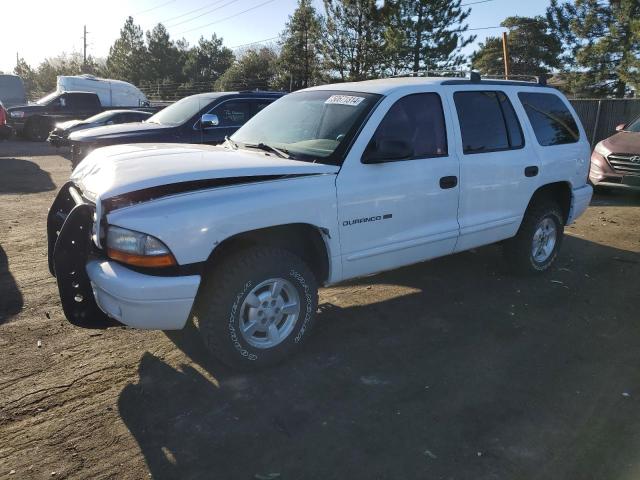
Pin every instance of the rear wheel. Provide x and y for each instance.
(535, 247)
(256, 307)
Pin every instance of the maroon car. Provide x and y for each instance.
(615, 162)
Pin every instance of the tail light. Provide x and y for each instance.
(3, 116)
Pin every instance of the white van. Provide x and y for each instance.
(112, 93)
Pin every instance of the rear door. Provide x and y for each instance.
(498, 169)
(399, 212)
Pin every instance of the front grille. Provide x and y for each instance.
(625, 162)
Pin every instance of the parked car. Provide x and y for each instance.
(203, 118)
(12, 91)
(326, 184)
(59, 135)
(35, 121)
(615, 161)
(5, 131)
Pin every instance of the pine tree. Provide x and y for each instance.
(162, 61)
(602, 44)
(426, 34)
(126, 60)
(353, 39)
(255, 69)
(207, 61)
(300, 42)
(533, 50)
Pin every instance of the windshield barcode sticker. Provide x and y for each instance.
(344, 100)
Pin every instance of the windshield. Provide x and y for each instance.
(311, 125)
(179, 112)
(633, 126)
(47, 98)
(101, 117)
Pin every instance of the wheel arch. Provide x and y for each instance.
(307, 241)
(559, 192)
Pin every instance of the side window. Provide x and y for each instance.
(416, 120)
(487, 122)
(550, 118)
(260, 104)
(233, 113)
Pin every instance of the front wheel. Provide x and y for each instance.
(256, 307)
(535, 247)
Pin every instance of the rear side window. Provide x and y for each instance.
(417, 120)
(488, 122)
(550, 118)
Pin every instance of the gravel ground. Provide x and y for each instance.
(451, 369)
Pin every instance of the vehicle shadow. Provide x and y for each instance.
(23, 176)
(451, 368)
(616, 198)
(10, 297)
(20, 147)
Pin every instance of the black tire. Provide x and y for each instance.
(519, 249)
(37, 129)
(221, 298)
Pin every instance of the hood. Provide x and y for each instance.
(118, 131)
(623, 142)
(68, 124)
(34, 107)
(121, 169)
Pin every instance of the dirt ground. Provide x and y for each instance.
(452, 369)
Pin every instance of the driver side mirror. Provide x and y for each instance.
(387, 151)
(620, 127)
(209, 120)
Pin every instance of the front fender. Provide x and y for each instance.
(192, 224)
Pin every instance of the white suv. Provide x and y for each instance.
(324, 185)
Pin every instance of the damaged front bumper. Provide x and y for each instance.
(94, 289)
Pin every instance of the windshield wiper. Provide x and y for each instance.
(281, 152)
(233, 144)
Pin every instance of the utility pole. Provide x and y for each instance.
(505, 55)
(17, 60)
(84, 54)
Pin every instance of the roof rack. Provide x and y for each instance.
(474, 77)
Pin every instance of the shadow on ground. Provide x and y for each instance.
(10, 296)
(612, 197)
(467, 372)
(23, 176)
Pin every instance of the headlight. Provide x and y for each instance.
(602, 150)
(17, 114)
(138, 249)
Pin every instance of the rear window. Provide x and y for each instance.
(550, 118)
(487, 122)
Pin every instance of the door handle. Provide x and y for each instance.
(531, 171)
(448, 182)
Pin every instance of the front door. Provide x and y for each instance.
(399, 211)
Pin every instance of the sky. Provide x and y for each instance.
(38, 29)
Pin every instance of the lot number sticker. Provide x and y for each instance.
(344, 100)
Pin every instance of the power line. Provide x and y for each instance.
(474, 3)
(202, 14)
(191, 11)
(155, 8)
(256, 42)
(227, 18)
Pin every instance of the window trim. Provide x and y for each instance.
(232, 99)
(504, 122)
(573, 117)
(415, 157)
